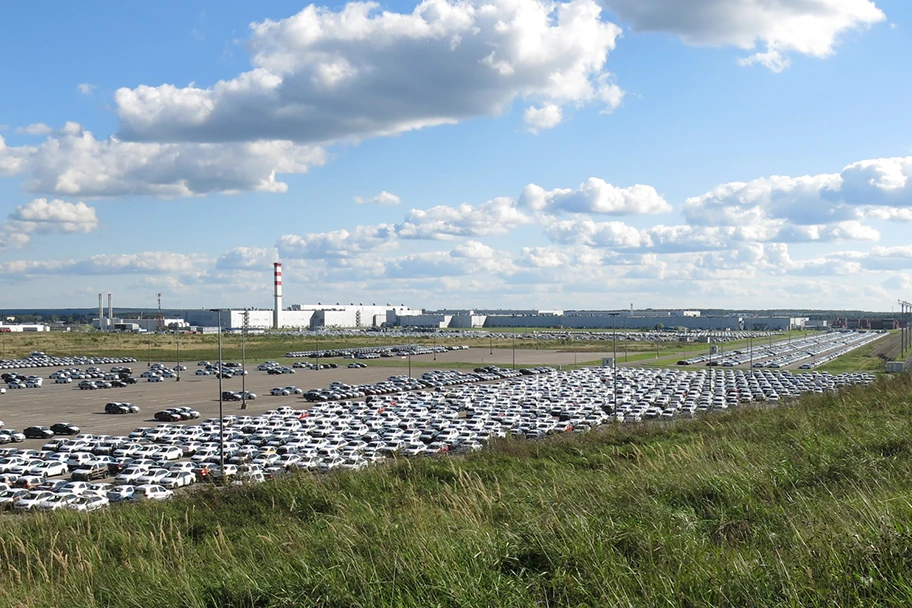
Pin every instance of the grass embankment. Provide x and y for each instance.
(802, 505)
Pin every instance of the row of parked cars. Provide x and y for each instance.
(15, 381)
(41, 359)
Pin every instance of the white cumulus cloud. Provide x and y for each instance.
(39, 128)
(384, 198)
(73, 162)
(774, 29)
(594, 196)
(546, 117)
(497, 216)
(324, 75)
(41, 216)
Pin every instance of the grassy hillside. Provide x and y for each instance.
(804, 505)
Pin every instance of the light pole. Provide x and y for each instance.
(614, 361)
(625, 339)
(244, 361)
(491, 351)
(150, 353)
(750, 348)
(435, 345)
(709, 340)
(410, 362)
(178, 370)
(514, 351)
(221, 414)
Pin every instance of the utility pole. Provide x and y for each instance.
(244, 360)
(221, 370)
(177, 332)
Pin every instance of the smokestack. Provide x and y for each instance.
(110, 311)
(101, 317)
(276, 313)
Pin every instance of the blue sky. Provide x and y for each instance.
(665, 153)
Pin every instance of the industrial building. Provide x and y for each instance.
(23, 327)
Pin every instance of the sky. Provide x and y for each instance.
(588, 154)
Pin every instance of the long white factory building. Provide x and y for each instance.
(315, 316)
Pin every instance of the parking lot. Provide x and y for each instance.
(362, 415)
(85, 408)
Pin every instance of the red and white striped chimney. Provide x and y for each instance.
(276, 313)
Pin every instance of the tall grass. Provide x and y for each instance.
(803, 505)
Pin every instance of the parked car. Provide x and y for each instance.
(177, 479)
(38, 432)
(167, 416)
(90, 471)
(116, 407)
(88, 503)
(65, 428)
(151, 492)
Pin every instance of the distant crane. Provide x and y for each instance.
(161, 320)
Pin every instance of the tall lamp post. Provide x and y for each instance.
(750, 348)
(410, 362)
(614, 381)
(221, 414)
(709, 339)
(514, 351)
(626, 340)
(178, 370)
(244, 361)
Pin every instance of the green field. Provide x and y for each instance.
(803, 505)
(163, 347)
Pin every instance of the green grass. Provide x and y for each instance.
(803, 505)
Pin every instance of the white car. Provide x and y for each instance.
(154, 379)
(151, 492)
(49, 469)
(63, 380)
(120, 493)
(169, 452)
(203, 372)
(177, 479)
(57, 501)
(130, 475)
(88, 502)
(34, 499)
(152, 477)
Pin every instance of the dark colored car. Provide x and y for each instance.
(64, 428)
(167, 416)
(38, 432)
(116, 408)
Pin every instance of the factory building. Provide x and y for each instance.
(260, 318)
(23, 327)
(590, 319)
(353, 315)
(139, 325)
